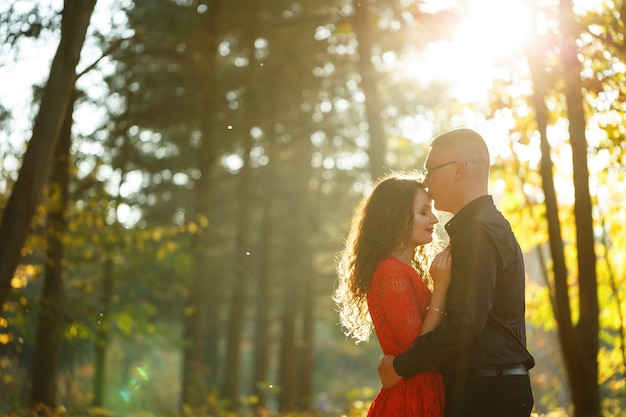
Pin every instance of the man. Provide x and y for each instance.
(480, 347)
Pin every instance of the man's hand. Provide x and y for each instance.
(388, 375)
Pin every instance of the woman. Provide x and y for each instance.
(382, 275)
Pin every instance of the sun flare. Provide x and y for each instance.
(495, 28)
(490, 31)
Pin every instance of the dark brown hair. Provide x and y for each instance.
(381, 224)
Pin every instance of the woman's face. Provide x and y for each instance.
(424, 219)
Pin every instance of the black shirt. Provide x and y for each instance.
(485, 300)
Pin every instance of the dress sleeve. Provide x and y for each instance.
(396, 308)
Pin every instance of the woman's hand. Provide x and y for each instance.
(441, 270)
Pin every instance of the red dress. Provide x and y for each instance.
(397, 301)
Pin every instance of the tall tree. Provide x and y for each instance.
(579, 341)
(201, 318)
(172, 78)
(103, 330)
(582, 363)
(52, 315)
(239, 297)
(288, 379)
(27, 190)
(364, 33)
(308, 296)
(257, 115)
(264, 297)
(299, 289)
(560, 292)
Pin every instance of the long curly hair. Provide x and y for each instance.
(382, 223)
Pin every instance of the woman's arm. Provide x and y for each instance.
(440, 271)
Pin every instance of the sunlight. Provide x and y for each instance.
(490, 31)
(494, 28)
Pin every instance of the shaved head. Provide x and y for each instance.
(463, 144)
(457, 169)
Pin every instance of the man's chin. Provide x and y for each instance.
(441, 207)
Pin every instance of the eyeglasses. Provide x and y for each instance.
(429, 171)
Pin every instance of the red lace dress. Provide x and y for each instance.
(397, 301)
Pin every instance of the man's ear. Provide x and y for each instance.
(459, 170)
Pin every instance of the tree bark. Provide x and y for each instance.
(103, 330)
(201, 318)
(305, 357)
(288, 378)
(261, 353)
(238, 302)
(308, 291)
(33, 175)
(52, 315)
(585, 391)
(579, 343)
(559, 291)
(298, 290)
(363, 31)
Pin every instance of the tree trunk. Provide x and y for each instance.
(288, 378)
(193, 369)
(102, 333)
(373, 106)
(579, 343)
(305, 359)
(26, 193)
(200, 315)
(238, 302)
(201, 318)
(261, 356)
(211, 356)
(288, 365)
(559, 293)
(308, 292)
(52, 316)
(257, 112)
(298, 290)
(585, 393)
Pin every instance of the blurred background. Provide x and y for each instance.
(177, 177)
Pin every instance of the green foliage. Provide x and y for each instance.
(285, 80)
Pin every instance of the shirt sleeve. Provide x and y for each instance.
(469, 301)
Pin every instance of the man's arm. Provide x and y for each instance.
(469, 301)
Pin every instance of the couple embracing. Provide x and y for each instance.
(451, 326)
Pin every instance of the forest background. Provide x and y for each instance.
(178, 175)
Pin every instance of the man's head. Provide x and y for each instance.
(457, 169)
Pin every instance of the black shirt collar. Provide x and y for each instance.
(467, 213)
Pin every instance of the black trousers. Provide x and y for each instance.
(488, 396)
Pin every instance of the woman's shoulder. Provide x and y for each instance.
(392, 274)
(392, 264)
